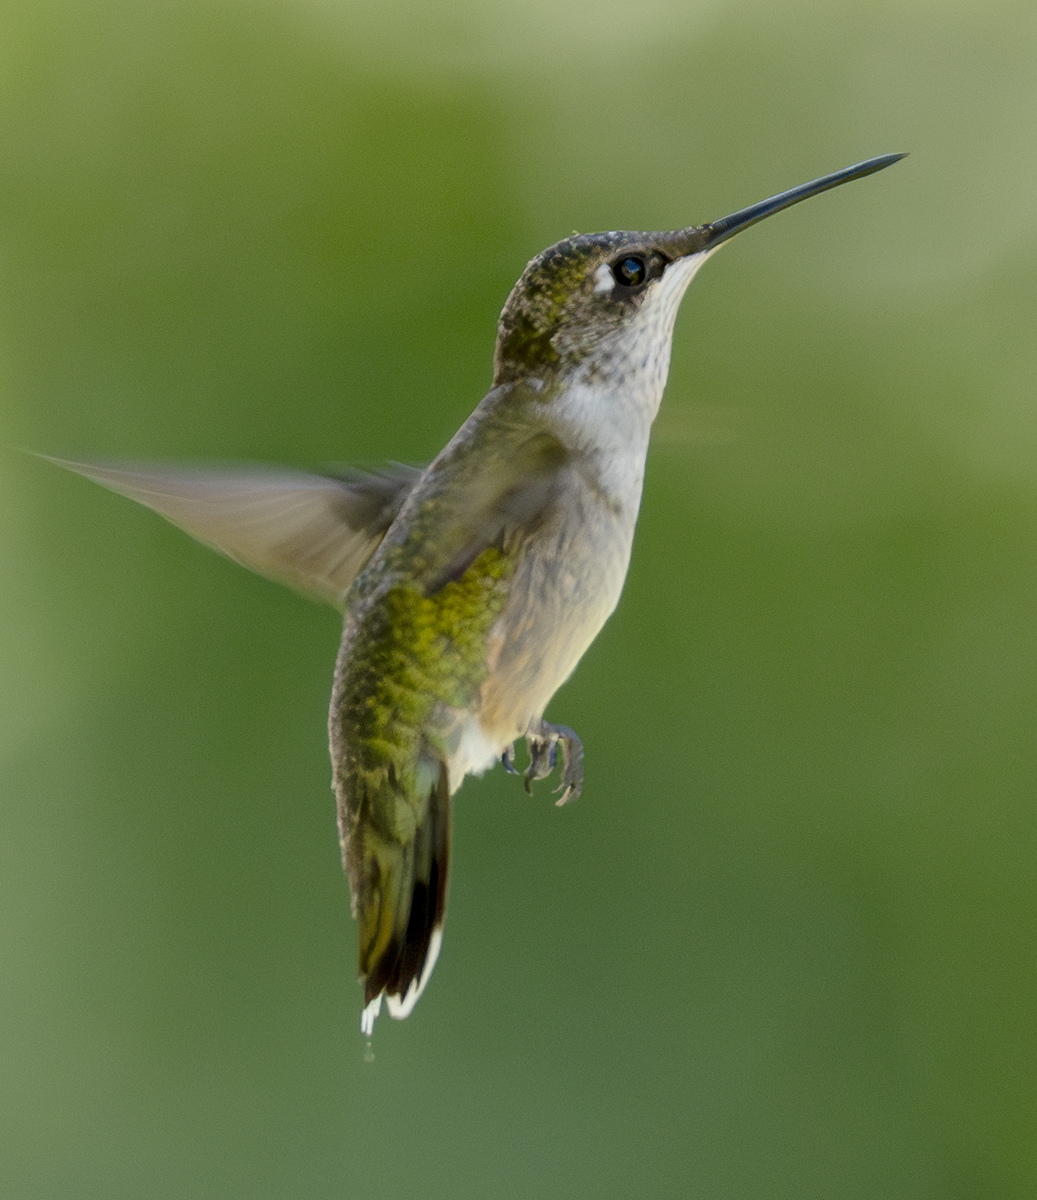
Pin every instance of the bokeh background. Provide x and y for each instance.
(784, 946)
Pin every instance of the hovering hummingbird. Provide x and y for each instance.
(473, 587)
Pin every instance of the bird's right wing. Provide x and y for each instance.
(495, 479)
(311, 532)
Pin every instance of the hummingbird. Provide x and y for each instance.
(473, 586)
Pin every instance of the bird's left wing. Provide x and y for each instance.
(311, 532)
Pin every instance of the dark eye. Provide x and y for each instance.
(630, 271)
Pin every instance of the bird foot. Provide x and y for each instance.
(543, 741)
(508, 761)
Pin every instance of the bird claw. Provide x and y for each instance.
(543, 743)
(508, 760)
(543, 754)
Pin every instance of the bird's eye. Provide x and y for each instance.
(630, 271)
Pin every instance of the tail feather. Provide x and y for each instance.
(406, 897)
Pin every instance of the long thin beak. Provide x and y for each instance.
(707, 237)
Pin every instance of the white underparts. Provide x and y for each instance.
(475, 753)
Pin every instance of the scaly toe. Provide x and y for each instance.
(543, 740)
(508, 760)
(542, 758)
(572, 768)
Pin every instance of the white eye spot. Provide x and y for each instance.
(604, 281)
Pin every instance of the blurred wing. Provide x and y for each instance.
(311, 532)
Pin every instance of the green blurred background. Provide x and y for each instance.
(786, 944)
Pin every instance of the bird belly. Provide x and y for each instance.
(566, 584)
